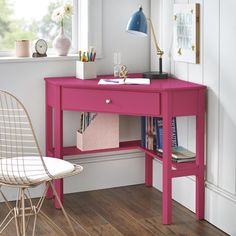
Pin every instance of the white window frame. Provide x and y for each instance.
(90, 25)
(74, 48)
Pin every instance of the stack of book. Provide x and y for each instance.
(180, 154)
(152, 139)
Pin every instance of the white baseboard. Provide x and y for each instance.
(220, 210)
(220, 206)
(107, 170)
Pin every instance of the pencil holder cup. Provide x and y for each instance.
(86, 70)
(102, 133)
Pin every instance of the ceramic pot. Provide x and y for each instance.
(61, 43)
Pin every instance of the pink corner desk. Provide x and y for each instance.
(162, 98)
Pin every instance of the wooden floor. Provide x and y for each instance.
(133, 210)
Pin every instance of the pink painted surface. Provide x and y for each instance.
(200, 189)
(166, 98)
(167, 152)
(121, 102)
(156, 85)
(48, 131)
(148, 170)
(184, 103)
(58, 139)
(72, 150)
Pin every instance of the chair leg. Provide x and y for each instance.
(5, 223)
(63, 210)
(16, 222)
(32, 207)
(35, 218)
(33, 211)
(19, 213)
(23, 211)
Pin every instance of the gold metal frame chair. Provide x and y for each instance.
(22, 166)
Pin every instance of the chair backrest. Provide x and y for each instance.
(18, 144)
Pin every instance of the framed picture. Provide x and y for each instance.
(186, 38)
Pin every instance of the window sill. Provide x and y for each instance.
(70, 57)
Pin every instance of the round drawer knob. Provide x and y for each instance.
(108, 101)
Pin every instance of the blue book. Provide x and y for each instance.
(159, 133)
(143, 131)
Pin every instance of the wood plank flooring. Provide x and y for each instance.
(133, 210)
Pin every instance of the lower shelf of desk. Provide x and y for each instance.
(178, 169)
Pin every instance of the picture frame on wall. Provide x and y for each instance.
(186, 33)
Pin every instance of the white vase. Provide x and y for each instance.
(61, 43)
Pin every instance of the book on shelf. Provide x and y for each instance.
(151, 133)
(159, 132)
(143, 130)
(148, 133)
(180, 154)
(152, 139)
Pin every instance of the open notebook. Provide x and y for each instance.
(141, 81)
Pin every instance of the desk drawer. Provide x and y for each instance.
(122, 102)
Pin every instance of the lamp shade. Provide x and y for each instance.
(137, 23)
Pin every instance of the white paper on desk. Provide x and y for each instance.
(141, 81)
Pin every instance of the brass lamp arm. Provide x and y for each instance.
(159, 51)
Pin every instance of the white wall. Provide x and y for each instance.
(25, 80)
(216, 70)
(134, 50)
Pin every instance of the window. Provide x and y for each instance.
(90, 25)
(30, 19)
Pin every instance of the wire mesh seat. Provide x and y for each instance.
(23, 166)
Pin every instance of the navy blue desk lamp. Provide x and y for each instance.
(138, 25)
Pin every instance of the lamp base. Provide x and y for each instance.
(155, 75)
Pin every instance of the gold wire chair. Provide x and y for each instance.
(22, 166)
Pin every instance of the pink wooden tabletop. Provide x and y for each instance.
(155, 85)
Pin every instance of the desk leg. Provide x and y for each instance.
(200, 188)
(48, 138)
(148, 170)
(58, 143)
(166, 168)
